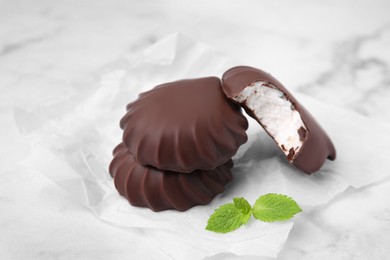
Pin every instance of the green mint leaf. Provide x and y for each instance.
(275, 207)
(229, 217)
(243, 205)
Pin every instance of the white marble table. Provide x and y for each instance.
(336, 51)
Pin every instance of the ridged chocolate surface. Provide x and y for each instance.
(317, 146)
(183, 126)
(145, 186)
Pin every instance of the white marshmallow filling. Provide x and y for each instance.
(276, 114)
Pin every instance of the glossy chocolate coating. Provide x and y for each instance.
(183, 126)
(145, 186)
(317, 146)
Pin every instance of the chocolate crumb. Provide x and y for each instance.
(291, 154)
(302, 134)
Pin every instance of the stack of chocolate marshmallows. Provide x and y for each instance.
(178, 140)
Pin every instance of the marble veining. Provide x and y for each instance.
(335, 51)
(359, 77)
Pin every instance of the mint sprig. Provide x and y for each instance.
(268, 208)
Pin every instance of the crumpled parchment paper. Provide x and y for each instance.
(73, 149)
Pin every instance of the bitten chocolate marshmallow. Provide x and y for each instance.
(303, 141)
